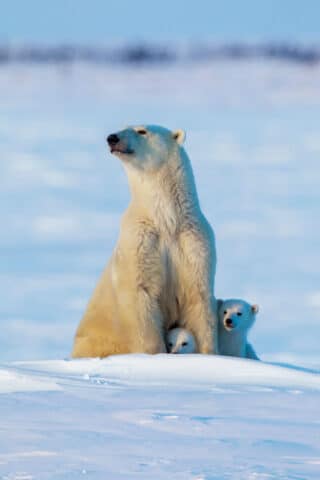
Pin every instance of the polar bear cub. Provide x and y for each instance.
(180, 340)
(236, 317)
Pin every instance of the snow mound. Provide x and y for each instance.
(197, 371)
(138, 417)
(11, 381)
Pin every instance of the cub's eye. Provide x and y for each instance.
(225, 312)
(141, 131)
(184, 344)
(239, 314)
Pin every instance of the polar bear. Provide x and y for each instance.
(163, 266)
(236, 317)
(180, 340)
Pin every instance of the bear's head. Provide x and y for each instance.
(236, 315)
(147, 147)
(180, 340)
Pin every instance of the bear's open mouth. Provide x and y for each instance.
(124, 151)
(229, 327)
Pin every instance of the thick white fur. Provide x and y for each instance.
(233, 340)
(163, 266)
(180, 340)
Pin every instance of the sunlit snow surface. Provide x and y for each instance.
(163, 417)
(253, 137)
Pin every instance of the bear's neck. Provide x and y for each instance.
(232, 343)
(167, 196)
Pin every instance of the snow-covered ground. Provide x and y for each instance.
(164, 417)
(253, 138)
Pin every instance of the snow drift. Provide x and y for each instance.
(165, 417)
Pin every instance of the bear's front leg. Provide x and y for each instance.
(147, 283)
(197, 270)
(150, 333)
(200, 319)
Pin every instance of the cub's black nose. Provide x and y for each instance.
(113, 139)
(229, 322)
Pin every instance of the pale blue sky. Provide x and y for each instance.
(99, 21)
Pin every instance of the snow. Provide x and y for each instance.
(15, 382)
(180, 370)
(165, 416)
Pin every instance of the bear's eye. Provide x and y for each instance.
(225, 312)
(239, 314)
(170, 344)
(141, 131)
(184, 344)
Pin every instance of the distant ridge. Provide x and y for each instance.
(144, 53)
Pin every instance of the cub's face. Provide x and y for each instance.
(180, 340)
(236, 315)
(145, 148)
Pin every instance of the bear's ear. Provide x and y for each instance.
(255, 308)
(179, 136)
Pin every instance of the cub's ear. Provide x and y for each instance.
(219, 303)
(255, 308)
(179, 136)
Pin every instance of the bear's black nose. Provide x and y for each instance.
(229, 322)
(113, 139)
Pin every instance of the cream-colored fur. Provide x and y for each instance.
(163, 266)
(236, 317)
(233, 331)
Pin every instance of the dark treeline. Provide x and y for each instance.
(144, 53)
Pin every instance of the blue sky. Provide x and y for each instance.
(100, 21)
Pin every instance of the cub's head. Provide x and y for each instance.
(145, 147)
(236, 315)
(180, 340)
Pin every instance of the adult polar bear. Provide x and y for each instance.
(163, 266)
